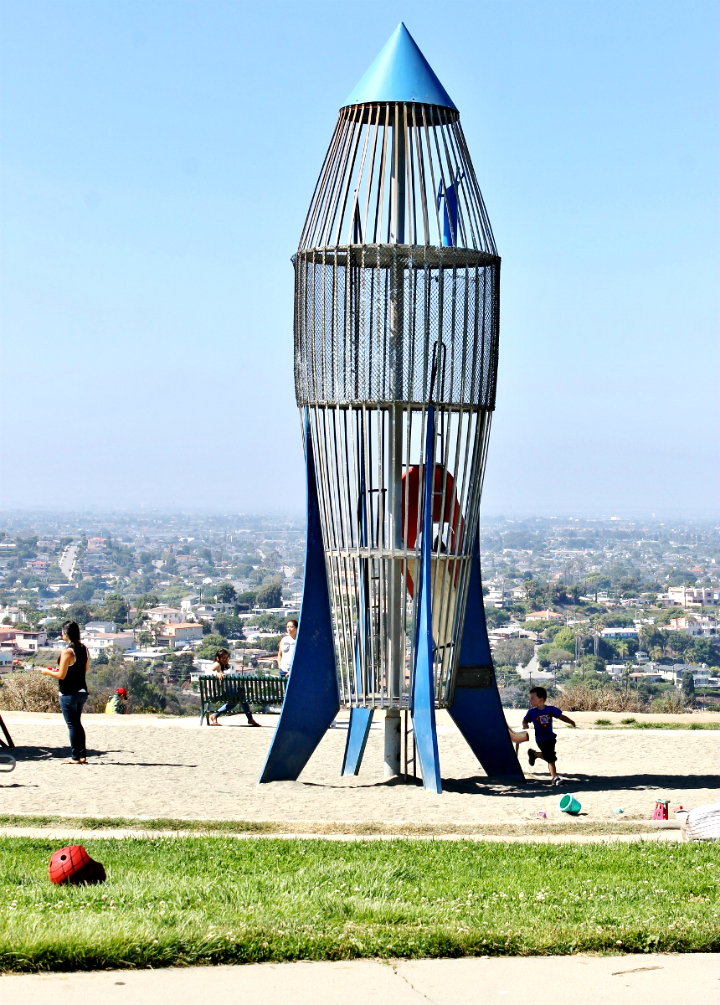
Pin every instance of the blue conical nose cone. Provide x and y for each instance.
(400, 73)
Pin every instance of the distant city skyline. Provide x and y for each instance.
(156, 164)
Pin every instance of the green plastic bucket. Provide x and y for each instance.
(569, 804)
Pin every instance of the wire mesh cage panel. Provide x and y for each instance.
(370, 320)
(372, 569)
(396, 307)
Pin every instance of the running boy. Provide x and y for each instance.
(541, 716)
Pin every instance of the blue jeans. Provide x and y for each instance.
(229, 707)
(72, 706)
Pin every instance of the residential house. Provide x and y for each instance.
(511, 631)
(180, 634)
(692, 596)
(619, 633)
(102, 627)
(676, 671)
(495, 597)
(544, 616)
(30, 642)
(165, 615)
(615, 670)
(39, 566)
(700, 625)
(108, 642)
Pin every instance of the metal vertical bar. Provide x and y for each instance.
(338, 180)
(354, 215)
(377, 230)
(423, 696)
(397, 333)
(306, 237)
(357, 133)
(421, 178)
(487, 229)
(432, 177)
(371, 171)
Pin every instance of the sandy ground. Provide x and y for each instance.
(651, 979)
(146, 766)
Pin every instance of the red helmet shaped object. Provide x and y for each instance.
(74, 865)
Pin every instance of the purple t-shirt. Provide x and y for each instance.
(542, 718)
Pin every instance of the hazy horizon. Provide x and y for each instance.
(99, 512)
(157, 162)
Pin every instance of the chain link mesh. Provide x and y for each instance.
(348, 300)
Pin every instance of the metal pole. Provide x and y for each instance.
(396, 634)
(392, 743)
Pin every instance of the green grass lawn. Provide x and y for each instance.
(190, 900)
(634, 724)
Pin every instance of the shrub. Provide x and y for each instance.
(96, 701)
(229, 626)
(671, 701)
(510, 652)
(270, 622)
(29, 691)
(247, 598)
(550, 653)
(270, 595)
(581, 698)
(210, 645)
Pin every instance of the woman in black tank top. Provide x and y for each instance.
(70, 675)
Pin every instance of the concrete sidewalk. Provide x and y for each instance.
(549, 980)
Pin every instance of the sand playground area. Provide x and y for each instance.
(144, 766)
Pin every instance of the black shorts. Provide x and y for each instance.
(547, 749)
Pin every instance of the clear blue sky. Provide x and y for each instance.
(157, 162)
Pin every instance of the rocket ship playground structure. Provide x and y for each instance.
(396, 349)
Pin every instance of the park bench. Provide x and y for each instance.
(7, 742)
(234, 688)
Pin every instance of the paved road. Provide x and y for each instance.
(67, 560)
(558, 980)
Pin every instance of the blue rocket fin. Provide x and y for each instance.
(311, 699)
(476, 708)
(358, 732)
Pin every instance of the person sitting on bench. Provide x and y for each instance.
(220, 667)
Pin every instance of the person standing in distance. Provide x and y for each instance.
(286, 649)
(70, 675)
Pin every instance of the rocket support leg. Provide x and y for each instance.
(358, 732)
(476, 708)
(392, 744)
(311, 699)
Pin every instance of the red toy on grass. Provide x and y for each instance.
(74, 865)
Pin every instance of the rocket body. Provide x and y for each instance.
(396, 311)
